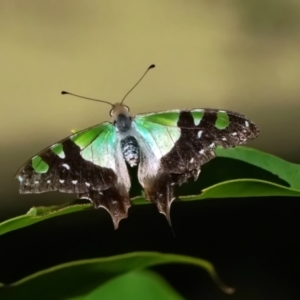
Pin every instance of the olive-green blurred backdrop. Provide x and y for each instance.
(238, 54)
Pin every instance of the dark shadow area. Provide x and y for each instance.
(253, 242)
(217, 170)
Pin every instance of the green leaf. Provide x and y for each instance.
(38, 214)
(81, 278)
(244, 188)
(137, 285)
(288, 173)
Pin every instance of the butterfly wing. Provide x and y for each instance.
(174, 145)
(88, 163)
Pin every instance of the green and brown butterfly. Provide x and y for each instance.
(169, 147)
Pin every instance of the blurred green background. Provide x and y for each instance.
(239, 55)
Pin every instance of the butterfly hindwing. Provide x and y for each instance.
(174, 145)
(88, 163)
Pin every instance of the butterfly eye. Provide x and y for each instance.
(127, 108)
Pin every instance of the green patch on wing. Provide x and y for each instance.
(197, 115)
(39, 165)
(58, 150)
(102, 148)
(159, 137)
(86, 137)
(162, 118)
(222, 121)
(97, 144)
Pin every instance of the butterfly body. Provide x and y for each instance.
(169, 147)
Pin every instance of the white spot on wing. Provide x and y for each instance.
(234, 133)
(66, 166)
(201, 151)
(48, 181)
(224, 139)
(212, 145)
(87, 184)
(199, 134)
(36, 182)
(196, 174)
(247, 123)
(20, 178)
(192, 160)
(61, 181)
(62, 155)
(74, 181)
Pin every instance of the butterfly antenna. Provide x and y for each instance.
(92, 99)
(150, 67)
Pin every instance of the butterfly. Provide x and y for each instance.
(169, 147)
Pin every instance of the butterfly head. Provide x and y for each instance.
(121, 118)
(120, 112)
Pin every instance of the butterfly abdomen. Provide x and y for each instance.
(130, 150)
